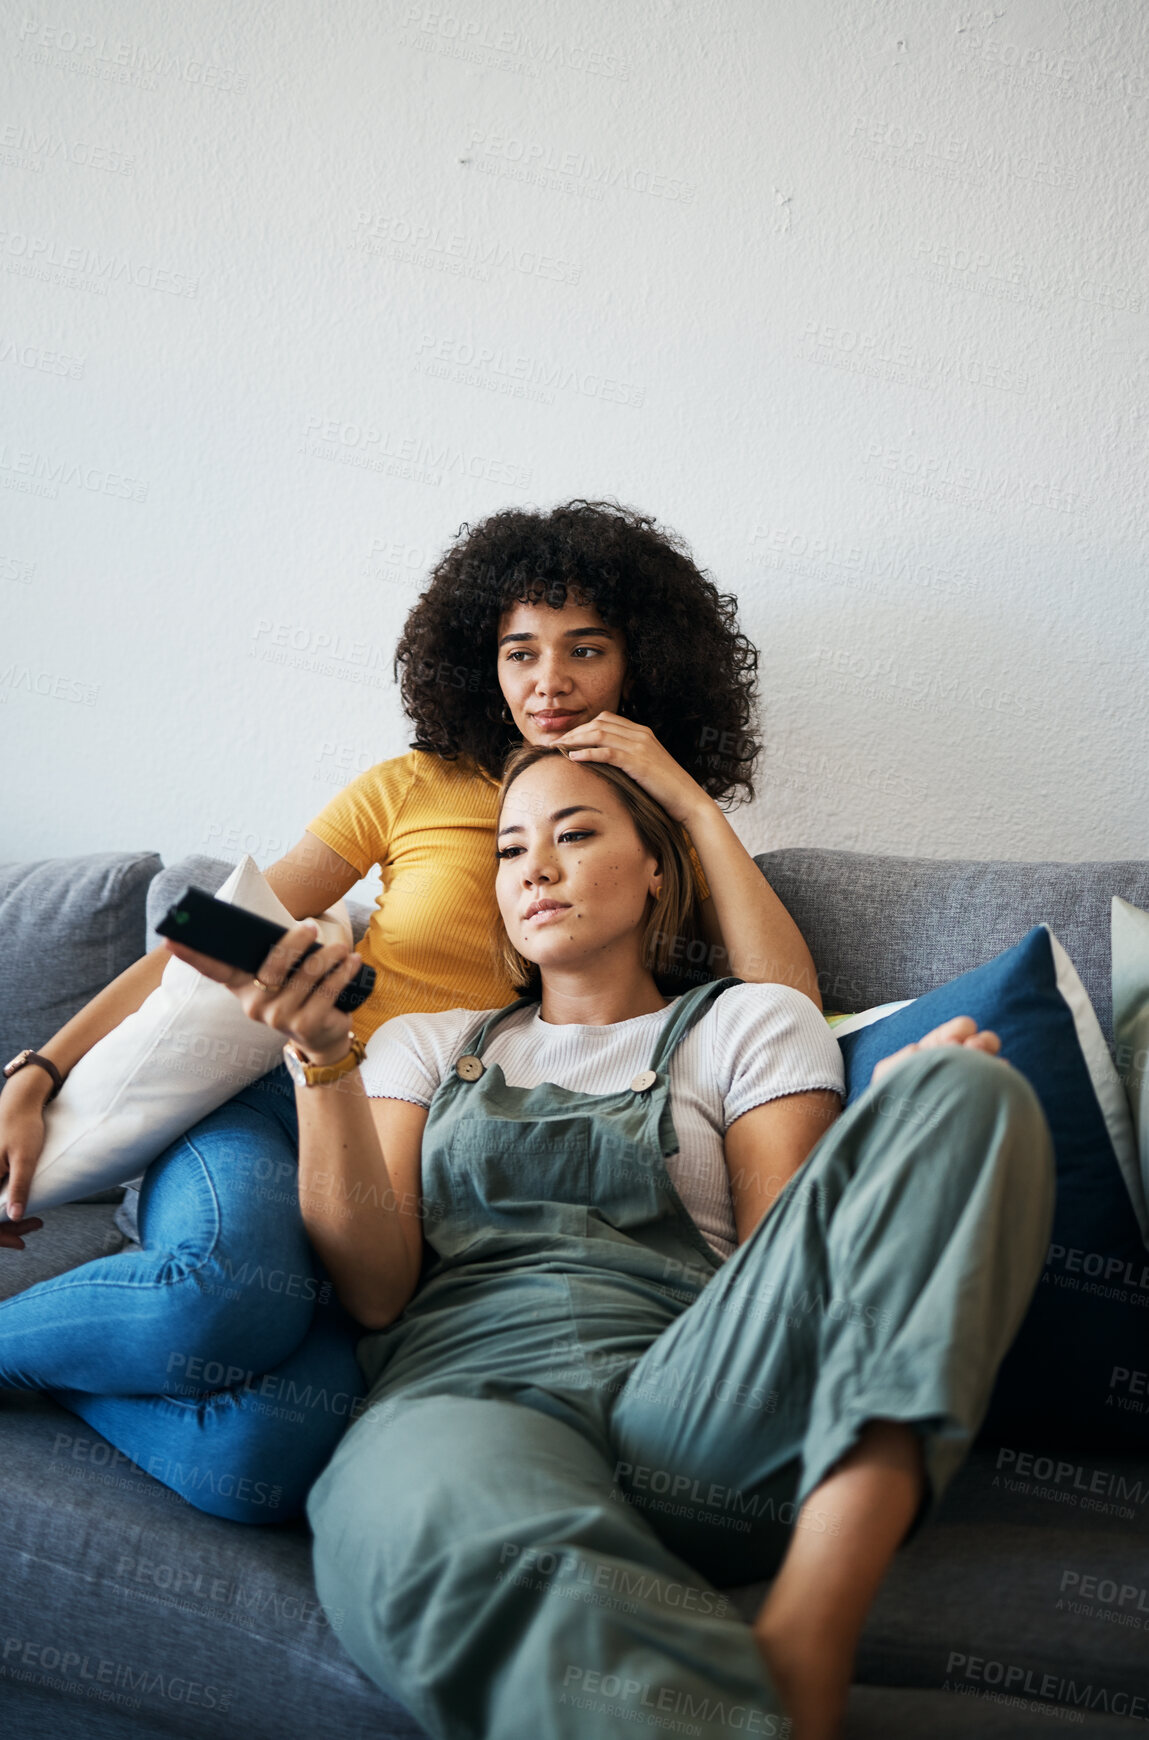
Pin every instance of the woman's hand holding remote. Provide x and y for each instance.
(296, 996)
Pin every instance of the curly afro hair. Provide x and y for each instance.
(693, 674)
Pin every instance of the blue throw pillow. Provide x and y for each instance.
(1071, 1375)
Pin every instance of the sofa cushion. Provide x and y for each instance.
(1032, 1578)
(202, 1618)
(883, 927)
(68, 927)
(69, 1236)
(190, 1624)
(98, 1559)
(1030, 1583)
(882, 1713)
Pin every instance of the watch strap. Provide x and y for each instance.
(21, 1061)
(316, 1074)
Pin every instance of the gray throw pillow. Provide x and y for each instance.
(68, 927)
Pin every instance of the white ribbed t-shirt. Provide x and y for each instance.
(753, 1044)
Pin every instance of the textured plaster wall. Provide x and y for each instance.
(851, 294)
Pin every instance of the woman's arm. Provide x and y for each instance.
(311, 877)
(749, 930)
(766, 1146)
(360, 1208)
(359, 1177)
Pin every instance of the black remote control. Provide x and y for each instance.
(242, 939)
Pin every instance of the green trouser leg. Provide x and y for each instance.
(491, 1573)
(887, 1282)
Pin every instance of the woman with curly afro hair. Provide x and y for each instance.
(611, 644)
(585, 627)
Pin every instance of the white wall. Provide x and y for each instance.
(851, 293)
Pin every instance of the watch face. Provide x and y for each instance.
(17, 1060)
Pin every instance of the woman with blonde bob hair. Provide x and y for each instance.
(646, 1315)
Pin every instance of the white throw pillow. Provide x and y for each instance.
(186, 1050)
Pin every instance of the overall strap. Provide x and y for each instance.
(691, 1007)
(479, 1038)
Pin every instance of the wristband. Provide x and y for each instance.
(27, 1056)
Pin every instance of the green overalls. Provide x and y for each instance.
(584, 1418)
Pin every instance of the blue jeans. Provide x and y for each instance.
(217, 1357)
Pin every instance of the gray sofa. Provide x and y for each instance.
(125, 1612)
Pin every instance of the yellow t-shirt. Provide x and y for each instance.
(429, 825)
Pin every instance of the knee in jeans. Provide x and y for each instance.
(219, 1342)
(196, 1369)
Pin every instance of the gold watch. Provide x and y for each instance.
(305, 1074)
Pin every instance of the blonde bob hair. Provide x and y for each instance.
(672, 941)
